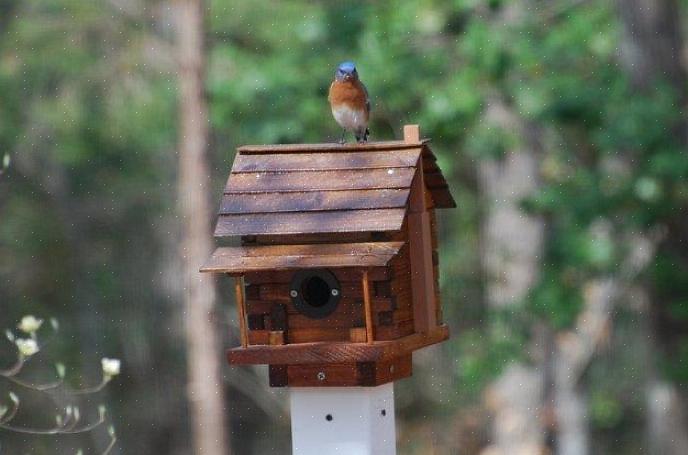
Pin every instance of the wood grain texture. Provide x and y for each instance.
(311, 201)
(282, 257)
(325, 161)
(342, 274)
(351, 374)
(328, 180)
(310, 222)
(329, 147)
(420, 249)
(241, 309)
(336, 352)
(368, 308)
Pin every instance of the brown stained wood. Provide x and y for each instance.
(332, 375)
(310, 222)
(395, 331)
(350, 290)
(299, 239)
(279, 318)
(351, 374)
(336, 352)
(357, 335)
(358, 179)
(325, 161)
(411, 134)
(346, 305)
(317, 334)
(276, 337)
(258, 337)
(312, 201)
(368, 308)
(344, 274)
(241, 309)
(344, 318)
(376, 373)
(329, 147)
(288, 257)
(420, 249)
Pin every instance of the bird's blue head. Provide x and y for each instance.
(346, 71)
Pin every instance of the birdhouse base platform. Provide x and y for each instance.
(343, 420)
(338, 364)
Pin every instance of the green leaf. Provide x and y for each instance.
(60, 368)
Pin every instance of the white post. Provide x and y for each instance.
(343, 420)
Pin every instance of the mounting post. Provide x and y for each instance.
(343, 420)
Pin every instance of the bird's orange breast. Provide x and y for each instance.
(350, 93)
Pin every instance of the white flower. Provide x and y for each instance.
(27, 347)
(30, 324)
(110, 367)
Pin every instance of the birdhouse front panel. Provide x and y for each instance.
(337, 272)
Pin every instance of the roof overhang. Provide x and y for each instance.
(259, 258)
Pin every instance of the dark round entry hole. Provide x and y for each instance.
(383, 412)
(316, 292)
(328, 417)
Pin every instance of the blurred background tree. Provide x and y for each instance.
(562, 129)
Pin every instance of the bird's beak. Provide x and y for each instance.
(348, 77)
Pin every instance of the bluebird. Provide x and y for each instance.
(349, 102)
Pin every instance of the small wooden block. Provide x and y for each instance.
(357, 335)
(276, 337)
(258, 337)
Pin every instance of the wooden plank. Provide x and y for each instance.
(359, 179)
(357, 335)
(336, 249)
(241, 308)
(329, 147)
(286, 257)
(336, 352)
(325, 161)
(420, 249)
(310, 222)
(313, 201)
(258, 337)
(318, 334)
(276, 337)
(368, 308)
(345, 274)
(361, 374)
(347, 305)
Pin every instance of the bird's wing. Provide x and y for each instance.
(367, 97)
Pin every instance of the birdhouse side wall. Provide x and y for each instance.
(436, 263)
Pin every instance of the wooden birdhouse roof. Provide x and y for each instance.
(326, 188)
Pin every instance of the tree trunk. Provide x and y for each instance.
(651, 52)
(512, 249)
(204, 357)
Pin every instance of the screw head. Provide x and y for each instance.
(335, 292)
(294, 293)
(321, 376)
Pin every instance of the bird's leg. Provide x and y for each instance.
(341, 140)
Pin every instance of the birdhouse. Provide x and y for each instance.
(336, 277)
